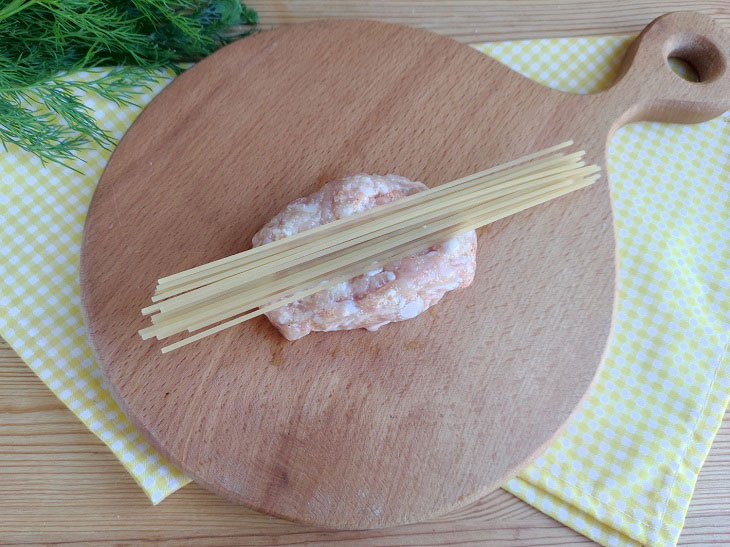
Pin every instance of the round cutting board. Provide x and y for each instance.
(359, 429)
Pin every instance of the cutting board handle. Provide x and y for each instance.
(647, 89)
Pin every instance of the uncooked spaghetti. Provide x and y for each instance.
(229, 291)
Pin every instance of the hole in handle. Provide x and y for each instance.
(683, 69)
(695, 58)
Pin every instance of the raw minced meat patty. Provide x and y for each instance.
(400, 290)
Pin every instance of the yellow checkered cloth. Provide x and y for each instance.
(624, 471)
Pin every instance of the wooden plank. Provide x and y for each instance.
(485, 20)
(59, 483)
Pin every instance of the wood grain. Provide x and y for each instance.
(60, 484)
(349, 429)
(354, 430)
(92, 499)
(485, 20)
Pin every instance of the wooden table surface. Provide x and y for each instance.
(59, 483)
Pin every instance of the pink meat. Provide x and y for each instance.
(400, 290)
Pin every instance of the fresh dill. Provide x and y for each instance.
(44, 42)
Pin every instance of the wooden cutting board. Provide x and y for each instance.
(359, 429)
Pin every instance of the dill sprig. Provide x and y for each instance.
(44, 42)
